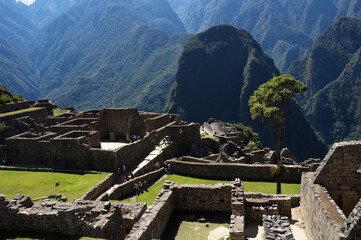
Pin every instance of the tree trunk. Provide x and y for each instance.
(278, 185)
(279, 148)
(279, 140)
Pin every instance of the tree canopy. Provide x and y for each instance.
(271, 100)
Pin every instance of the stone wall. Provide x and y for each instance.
(156, 217)
(245, 172)
(74, 151)
(158, 122)
(338, 173)
(295, 198)
(100, 188)
(237, 225)
(38, 114)
(120, 191)
(352, 226)
(185, 135)
(318, 222)
(82, 218)
(200, 197)
(121, 122)
(66, 153)
(14, 107)
(132, 212)
(90, 138)
(256, 208)
(165, 153)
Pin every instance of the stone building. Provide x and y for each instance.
(331, 197)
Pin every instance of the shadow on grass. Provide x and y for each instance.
(211, 221)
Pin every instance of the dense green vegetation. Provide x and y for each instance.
(218, 71)
(42, 184)
(6, 98)
(17, 74)
(332, 72)
(284, 28)
(113, 58)
(265, 187)
(15, 28)
(252, 140)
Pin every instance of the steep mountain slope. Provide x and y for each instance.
(284, 28)
(218, 71)
(108, 53)
(41, 12)
(156, 13)
(331, 71)
(328, 56)
(14, 27)
(16, 71)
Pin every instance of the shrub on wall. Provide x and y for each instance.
(5, 99)
(17, 98)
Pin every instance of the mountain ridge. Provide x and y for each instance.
(218, 71)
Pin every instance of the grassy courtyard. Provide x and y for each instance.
(265, 187)
(180, 229)
(41, 184)
(19, 111)
(59, 111)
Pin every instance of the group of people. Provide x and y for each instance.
(134, 138)
(141, 187)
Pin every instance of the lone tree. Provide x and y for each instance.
(270, 102)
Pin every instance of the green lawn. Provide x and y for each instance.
(178, 229)
(59, 111)
(19, 111)
(41, 184)
(266, 187)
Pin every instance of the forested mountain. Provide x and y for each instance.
(218, 71)
(16, 71)
(40, 12)
(14, 27)
(332, 72)
(105, 54)
(284, 28)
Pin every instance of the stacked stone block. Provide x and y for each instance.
(318, 222)
(352, 226)
(237, 218)
(82, 218)
(338, 173)
(277, 228)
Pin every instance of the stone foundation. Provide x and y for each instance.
(82, 218)
(319, 224)
(248, 172)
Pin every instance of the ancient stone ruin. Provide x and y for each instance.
(108, 138)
